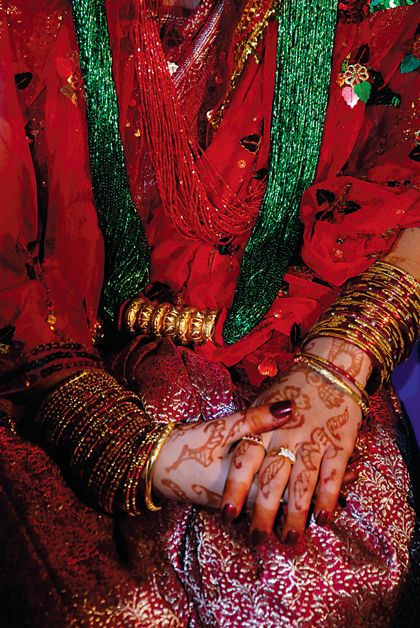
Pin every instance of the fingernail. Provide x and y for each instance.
(322, 518)
(342, 501)
(292, 538)
(228, 513)
(281, 409)
(258, 537)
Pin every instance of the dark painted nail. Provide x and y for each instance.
(292, 538)
(258, 537)
(228, 513)
(281, 409)
(342, 501)
(322, 518)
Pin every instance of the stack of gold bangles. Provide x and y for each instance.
(107, 439)
(183, 324)
(378, 312)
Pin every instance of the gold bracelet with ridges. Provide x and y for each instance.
(184, 324)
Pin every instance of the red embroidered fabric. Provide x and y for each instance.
(193, 571)
(63, 563)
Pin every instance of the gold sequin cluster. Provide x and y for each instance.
(184, 324)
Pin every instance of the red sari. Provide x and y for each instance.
(183, 567)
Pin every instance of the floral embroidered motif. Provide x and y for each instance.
(414, 154)
(66, 70)
(380, 5)
(360, 82)
(356, 74)
(352, 11)
(334, 206)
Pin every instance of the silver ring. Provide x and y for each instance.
(283, 452)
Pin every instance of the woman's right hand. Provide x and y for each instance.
(194, 462)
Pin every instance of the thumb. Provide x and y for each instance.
(258, 420)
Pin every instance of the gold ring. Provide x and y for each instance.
(255, 439)
(283, 452)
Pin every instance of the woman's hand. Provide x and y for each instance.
(195, 459)
(321, 433)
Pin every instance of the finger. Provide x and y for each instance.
(272, 481)
(257, 420)
(246, 460)
(349, 476)
(252, 496)
(302, 484)
(333, 470)
(356, 455)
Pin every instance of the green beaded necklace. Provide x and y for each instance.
(304, 52)
(306, 30)
(126, 248)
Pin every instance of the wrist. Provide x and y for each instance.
(342, 354)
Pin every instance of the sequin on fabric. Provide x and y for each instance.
(380, 5)
(127, 255)
(304, 53)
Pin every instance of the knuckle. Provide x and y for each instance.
(254, 418)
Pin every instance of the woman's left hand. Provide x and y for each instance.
(321, 434)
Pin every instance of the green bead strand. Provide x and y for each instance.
(126, 248)
(306, 31)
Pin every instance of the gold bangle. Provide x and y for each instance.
(348, 336)
(387, 315)
(150, 464)
(330, 366)
(395, 270)
(335, 380)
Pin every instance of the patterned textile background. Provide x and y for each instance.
(407, 381)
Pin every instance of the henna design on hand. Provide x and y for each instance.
(213, 498)
(240, 452)
(335, 422)
(175, 489)
(319, 442)
(301, 487)
(327, 392)
(269, 473)
(331, 397)
(347, 356)
(236, 428)
(182, 429)
(331, 477)
(204, 454)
